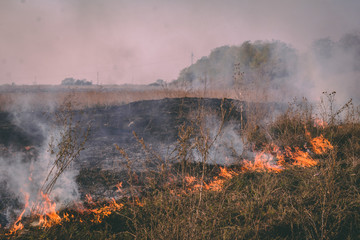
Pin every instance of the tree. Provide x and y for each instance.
(76, 82)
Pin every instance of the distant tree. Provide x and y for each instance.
(68, 81)
(158, 83)
(75, 82)
(259, 60)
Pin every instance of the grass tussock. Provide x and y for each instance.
(319, 202)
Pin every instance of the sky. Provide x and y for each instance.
(140, 41)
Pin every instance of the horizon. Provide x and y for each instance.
(128, 42)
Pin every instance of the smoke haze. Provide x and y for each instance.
(139, 42)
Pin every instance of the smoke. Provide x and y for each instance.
(280, 71)
(141, 41)
(218, 144)
(331, 66)
(24, 169)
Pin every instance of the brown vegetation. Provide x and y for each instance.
(188, 200)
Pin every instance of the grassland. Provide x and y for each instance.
(177, 201)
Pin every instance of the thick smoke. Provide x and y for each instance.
(25, 168)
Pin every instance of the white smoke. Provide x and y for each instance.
(225, 143)
(24, 170)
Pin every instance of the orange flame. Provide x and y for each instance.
(139, 203)
(215, 185)
(320, 145)
(18, 225)
(190, 179)
(228, 174)
(101, 213)
(89, 199)
(303, 158)
(262, 162)
(48, 215)
(119, 186)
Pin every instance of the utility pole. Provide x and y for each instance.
(97, 77)
(192, 58)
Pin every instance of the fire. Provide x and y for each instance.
(263, 162)
(138, 202)
(47, 212)
(190, 179)
(48, 216)
(119, 186)
(320, 145)
(303, 158)
(18, 225)
(228, 174)
(272, 159)
(66, 217)
(89, 199)
(100, 213)
(215, 185)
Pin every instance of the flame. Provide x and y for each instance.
(215, 185)
(218, 183)
(89, 199)
(190, 179)
(228, 174)
(303, 158)
(100, 213)
(263, 162)
(18, 225)
(46, 212)
(119, 186)
(48, 215)
(66, 217)
(139, 203)
(320, 145)
(272, 159)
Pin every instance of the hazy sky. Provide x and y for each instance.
(140, 41)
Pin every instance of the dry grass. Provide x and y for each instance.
(49, 97)
(319, 202)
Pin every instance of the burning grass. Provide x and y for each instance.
(302, 183)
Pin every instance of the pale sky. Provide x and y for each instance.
(140, 41)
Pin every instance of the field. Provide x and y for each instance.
(162, 163)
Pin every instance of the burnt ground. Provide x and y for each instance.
(155, 121)
(100, 165)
